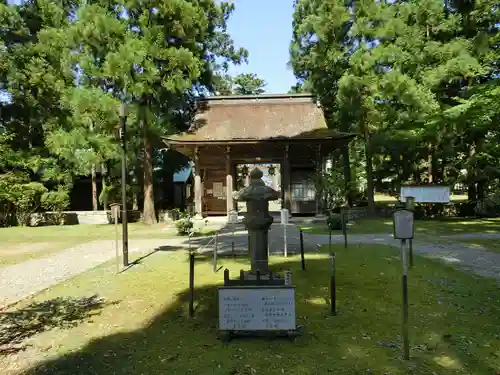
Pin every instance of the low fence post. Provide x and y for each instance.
(302, 250)
(191, 284)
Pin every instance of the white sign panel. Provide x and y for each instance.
(256, 308)
(403, 224)
(426, 194)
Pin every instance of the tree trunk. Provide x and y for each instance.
(347, 175)
(369, 174)
(416, 177)
(148, 215)
(481, 181)
(95, 205)
(135, 201)
(471, 178)
(430, 177)
(104, 174)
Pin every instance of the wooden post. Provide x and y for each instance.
(406, 341)
(333, 296)
(286, 181)
(198, 189)
(229, 182)
(191, 285)
(302, 250)
(318, 168)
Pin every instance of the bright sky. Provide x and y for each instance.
(264, 28)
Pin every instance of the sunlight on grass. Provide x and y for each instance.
(448, 362)
(145, 327)
(480, 243)
(318, 301)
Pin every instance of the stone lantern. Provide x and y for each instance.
(257, 220)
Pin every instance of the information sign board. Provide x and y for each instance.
(257, 308)
(426, 193)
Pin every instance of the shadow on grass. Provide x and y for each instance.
(19, 325)
(363, 338)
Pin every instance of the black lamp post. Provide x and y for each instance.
(122, 112)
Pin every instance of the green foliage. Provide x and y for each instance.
(418, 81)
(334, 221)
(56, 202)
(248, 84)
(330, 189)
(184, 223)
(19, 197)
(65, 66)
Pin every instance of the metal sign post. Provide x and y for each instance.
(403, 230)
(410, 205)
(115, 212)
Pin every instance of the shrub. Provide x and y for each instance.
(184, 224)
(334, 222)
(489, 207)
(56, 201)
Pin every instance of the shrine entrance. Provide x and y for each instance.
(271, 177)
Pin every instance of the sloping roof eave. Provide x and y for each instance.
(187, 141)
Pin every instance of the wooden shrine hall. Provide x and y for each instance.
(288, 130)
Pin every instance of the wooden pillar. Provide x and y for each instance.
(286, 181)
(198, 188)
(318, 169)
(229, 181)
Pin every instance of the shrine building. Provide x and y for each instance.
(288, 130)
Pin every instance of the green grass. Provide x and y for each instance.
(434, 227)
(23, 243)
(490, 244)
(144, 328)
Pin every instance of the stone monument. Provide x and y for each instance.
(257, 220)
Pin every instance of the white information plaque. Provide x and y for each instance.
(426, 193)
(259, 308)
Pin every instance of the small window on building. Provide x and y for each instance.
(302, 186)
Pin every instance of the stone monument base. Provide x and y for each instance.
(250, 278)
(251, 275)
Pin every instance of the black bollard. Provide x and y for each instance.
(191, 285)
(302, 250)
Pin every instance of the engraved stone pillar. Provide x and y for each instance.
(257, 220)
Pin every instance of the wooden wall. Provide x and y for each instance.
(212, 162)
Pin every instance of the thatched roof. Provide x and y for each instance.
(235, 119)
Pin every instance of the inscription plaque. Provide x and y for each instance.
(257, 308)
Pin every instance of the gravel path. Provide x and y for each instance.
(477, 260)
(24, 279)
